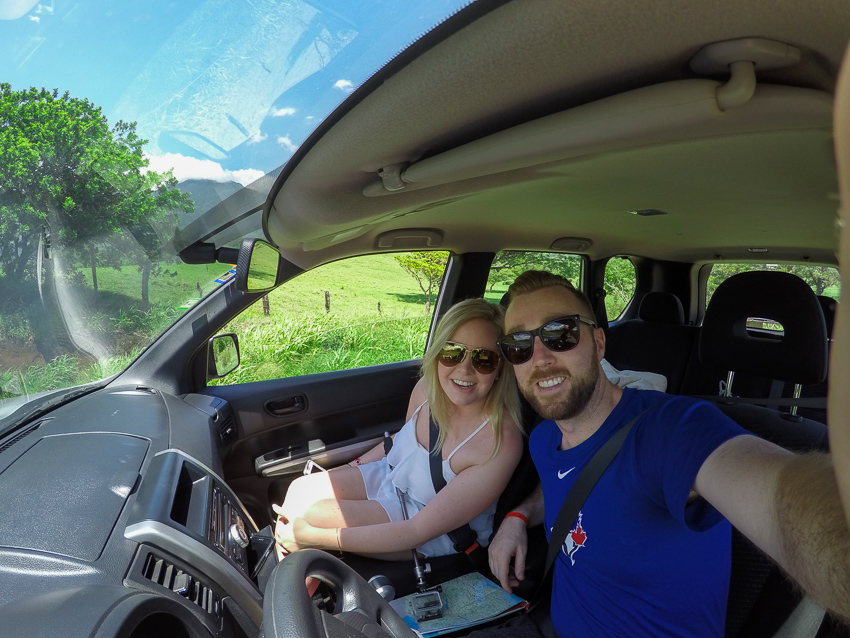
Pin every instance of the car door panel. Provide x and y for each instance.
(330, 418)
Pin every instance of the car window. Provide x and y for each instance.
(824, 280)
(620, 283)
(509, 264)
(347, 314)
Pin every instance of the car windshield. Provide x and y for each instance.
(129, 131)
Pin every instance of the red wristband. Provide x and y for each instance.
(521, 517)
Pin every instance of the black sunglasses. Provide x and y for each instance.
(483, 360)
(559, 335)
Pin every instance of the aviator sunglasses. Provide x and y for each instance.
(559, 335)
(483, 360)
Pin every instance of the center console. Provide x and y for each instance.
(187, 520)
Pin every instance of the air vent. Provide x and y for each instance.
(227, 430)
(24, 433)
(163, 573)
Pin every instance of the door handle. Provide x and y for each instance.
(287, 405)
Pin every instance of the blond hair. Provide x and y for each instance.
(503, 398)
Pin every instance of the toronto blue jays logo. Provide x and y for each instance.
(575, 540)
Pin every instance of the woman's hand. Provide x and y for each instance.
(284, 535)
(280, 534)
(293, 535)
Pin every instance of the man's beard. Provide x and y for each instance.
(577, 397)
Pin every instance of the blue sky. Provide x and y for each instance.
(222, 89)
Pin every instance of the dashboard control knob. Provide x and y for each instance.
(238, 534)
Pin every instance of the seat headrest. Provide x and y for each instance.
(799, 356)
(661, 307)
(829, 306)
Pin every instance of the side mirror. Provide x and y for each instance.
(222, 355)
(258, 266)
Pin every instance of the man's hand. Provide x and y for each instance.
(511, 541)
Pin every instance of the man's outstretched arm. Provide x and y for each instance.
(788, 505)
(839, 371)
(511, 541)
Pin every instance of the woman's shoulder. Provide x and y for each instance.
(418, 398)
(512, 437)
(419, 391)
(510, 443)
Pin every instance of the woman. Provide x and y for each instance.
(472, 396)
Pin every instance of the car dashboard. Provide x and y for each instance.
(119, 523)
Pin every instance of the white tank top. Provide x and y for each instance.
(410, 473)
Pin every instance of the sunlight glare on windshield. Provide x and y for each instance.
(125, 124)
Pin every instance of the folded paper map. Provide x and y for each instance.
(469, 600)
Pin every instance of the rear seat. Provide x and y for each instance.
(657, 341)
(726, 344)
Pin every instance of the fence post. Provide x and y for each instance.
(327, 301)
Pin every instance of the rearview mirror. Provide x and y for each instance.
(258, 266)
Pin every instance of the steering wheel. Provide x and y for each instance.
(289, 611)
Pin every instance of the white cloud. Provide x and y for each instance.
(258, 137)
(35, 18)
(184, 168)
(14, 9)
(344, 85)
(286, 142)
(284, 111)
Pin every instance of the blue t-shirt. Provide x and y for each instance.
(640, 560)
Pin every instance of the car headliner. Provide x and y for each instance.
(752, 177)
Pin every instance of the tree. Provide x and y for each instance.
(820, 278)
(509, 264)
(67, 177)
(620, 283)
(427, 269)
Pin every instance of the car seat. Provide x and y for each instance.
(818, 390)
(657, 341)
(748, 361)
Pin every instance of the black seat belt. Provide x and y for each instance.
(465, 539)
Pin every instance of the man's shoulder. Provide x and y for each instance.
(544, 440)
(655, 403)
(666, 414)
(542, 431)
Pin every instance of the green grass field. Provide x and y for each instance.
(299, 336)
(377, 315)
(356, 287)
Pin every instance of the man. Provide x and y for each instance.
(649, 555)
